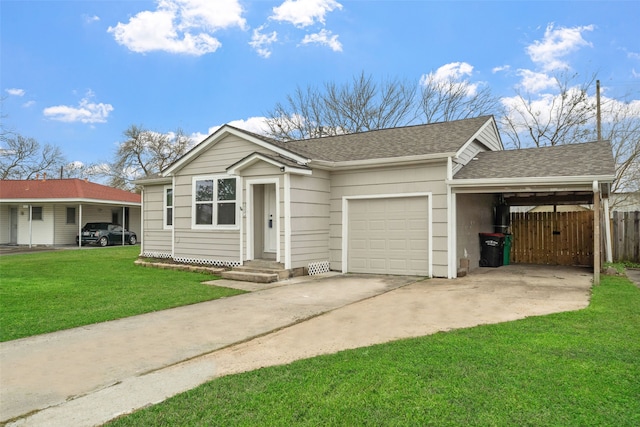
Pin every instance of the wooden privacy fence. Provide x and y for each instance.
(626, 236)
(554, 238)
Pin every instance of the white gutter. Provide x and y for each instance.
(524, 181)
(67, 201)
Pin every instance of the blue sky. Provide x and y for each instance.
(77, 74)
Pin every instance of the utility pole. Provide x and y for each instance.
(598, 115)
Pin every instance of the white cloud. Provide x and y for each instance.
(15, 92)
(535, 82)
(29, 104)
(557, 43)
(180, 26)
(452, 72)
(325, 38)
(85, 112)
(252, 124)
(303, 13)
(501, 68)
(90, 19)
(262, 42)
(633, 55)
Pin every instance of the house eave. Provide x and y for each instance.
(152, 181)
(389, 161)
(70, 201)
(527, 182)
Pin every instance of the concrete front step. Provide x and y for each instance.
(258, 271)
(250, 276)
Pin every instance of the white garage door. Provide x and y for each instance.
(388, 236)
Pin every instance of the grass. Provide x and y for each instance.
(50, 291)
(569, 369)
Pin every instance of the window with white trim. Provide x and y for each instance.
(214, 202)
(168, 207)
(36, 213)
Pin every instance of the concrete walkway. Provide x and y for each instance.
(87, 376)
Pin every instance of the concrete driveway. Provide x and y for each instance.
(88, 375)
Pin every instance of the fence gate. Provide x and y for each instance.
(553, 238)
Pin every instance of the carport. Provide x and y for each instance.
(576, 174)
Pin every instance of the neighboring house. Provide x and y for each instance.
(52, 211)
(408, 201)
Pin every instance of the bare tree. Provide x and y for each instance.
(621, 126)
(568, 115)
(144, 153)
(443, 100)
(24, 158)
(357, 106)
(565, 116)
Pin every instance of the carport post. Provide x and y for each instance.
(80, 225)
(123, 223)
(596, 233)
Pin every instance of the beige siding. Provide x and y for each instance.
(310, 218)
(393, 180)
(41, 231)
(210, 245)
(65, 234)
(156, 239)
(474, 216)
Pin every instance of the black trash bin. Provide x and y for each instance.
(491, 247)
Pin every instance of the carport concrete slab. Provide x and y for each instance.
(402, 309)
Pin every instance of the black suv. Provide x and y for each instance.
(105, 233)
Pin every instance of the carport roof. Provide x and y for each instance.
(571, 160)
(63, 189)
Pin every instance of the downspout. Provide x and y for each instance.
(596, 233)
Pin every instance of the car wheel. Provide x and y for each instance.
(132, 240)
(103, 241)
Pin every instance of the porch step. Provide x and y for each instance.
(250, 276)
(258, 271)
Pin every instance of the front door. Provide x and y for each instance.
(270, 218)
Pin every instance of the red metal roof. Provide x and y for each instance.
(73, 189)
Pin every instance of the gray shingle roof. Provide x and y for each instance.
(586, 159)
(434, 138)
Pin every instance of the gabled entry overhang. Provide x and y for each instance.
(285, 165)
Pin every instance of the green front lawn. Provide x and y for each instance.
(50, 291)
(579, 368)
